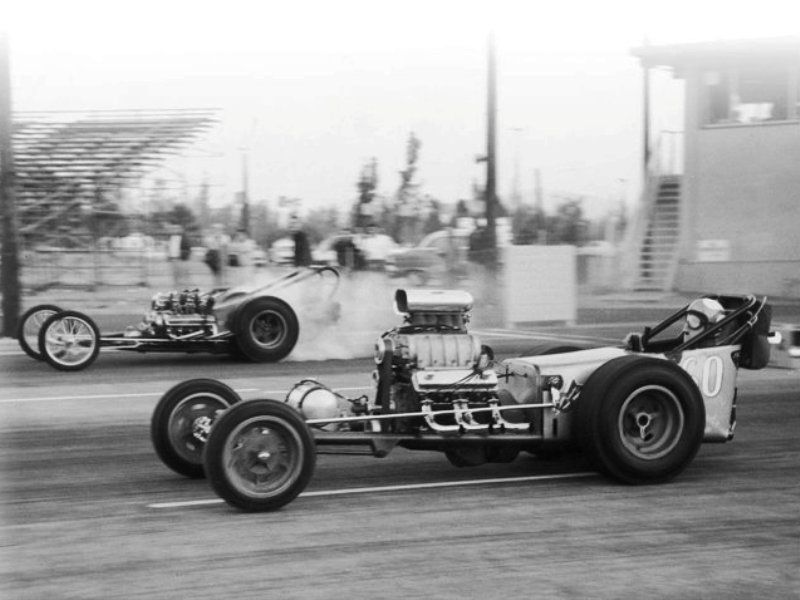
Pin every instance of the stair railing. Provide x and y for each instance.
(643, 211)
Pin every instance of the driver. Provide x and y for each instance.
(700, 314)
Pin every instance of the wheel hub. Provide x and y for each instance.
(651, 422)
(259, 457)
(644, 422)
(201, 427)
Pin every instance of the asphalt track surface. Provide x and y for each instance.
(88, 511)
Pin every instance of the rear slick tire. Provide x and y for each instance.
(181, 420)
(640, 419)
(266, 329)
(260, 455)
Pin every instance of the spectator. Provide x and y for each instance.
(216, 254)
(178, 253)
(481, 250)
(240, 249)
(302, 249)
(348, 255)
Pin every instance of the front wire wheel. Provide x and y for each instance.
(69, 340)
(29, 326)
(182, 420)
(260, 455)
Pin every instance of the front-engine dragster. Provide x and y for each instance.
(640, 411)
(259, 322)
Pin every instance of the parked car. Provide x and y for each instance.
(259, 257)
(281, 252)
(437, 254)
(355, 250)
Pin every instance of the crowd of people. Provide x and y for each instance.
(352, 251)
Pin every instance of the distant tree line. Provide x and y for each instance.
(406, 215)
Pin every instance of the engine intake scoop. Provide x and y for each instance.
(436, 301)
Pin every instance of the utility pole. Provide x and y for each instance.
(491, 145)
(9, 271)
(538, 193)
(516, 192)
(244, 215)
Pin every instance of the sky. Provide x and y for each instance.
(309, 91)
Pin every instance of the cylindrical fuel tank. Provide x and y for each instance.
(315, 401)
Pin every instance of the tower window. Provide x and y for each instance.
(749, 95)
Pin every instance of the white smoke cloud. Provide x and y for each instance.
(367, 310)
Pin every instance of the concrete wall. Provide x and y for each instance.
(540, 284)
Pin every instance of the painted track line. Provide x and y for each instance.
(390, 488)
(149, 395)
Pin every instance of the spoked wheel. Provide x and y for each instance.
(182, 421)
(260, 455)
(640, 419)
(29, 326)
(266, 329)
(69, 341)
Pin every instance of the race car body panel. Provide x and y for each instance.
(714, 372)
(712, 369)
(525, 378)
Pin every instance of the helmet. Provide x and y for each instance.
(700, 314)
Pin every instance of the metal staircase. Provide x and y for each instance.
(658, 252)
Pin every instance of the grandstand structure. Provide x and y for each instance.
(72, 167)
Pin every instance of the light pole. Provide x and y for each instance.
(516, 193)
(244, 215)
(491, 150)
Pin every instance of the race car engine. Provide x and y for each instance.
(186, 302)
(429, 364)
(178, 316)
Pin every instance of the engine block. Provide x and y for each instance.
(186, 302)
(178, 315)
(431, 360)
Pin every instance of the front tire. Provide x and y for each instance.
(29, 326)
(260, 455)
(69, 341)
(640, 419)
(182, 419)
(266, 329)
